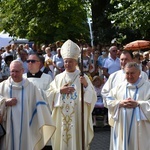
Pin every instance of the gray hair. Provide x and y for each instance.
(133, 64)
(112, 47)
(17, 62)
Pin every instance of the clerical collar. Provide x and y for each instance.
(21, 83)
(138, 83)
(36, 75)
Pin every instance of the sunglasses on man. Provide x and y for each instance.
(32, 61)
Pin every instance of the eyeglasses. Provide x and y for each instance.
(32, 61)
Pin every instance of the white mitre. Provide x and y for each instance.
(70, 50)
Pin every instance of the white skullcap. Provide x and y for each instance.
(70, 50)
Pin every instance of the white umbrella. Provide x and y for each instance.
(5, 39)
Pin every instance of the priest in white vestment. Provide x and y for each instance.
(26, 117)
(40, 79)
(65, 102)
(129, 106)
(117, 78)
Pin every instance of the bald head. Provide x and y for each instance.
(113, 48)
(16, 62)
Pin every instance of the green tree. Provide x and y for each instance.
(132, 14)
(102, 29)
(44, 20)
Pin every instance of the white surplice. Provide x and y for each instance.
(42, 82)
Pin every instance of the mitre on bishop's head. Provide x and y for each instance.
(70, 50)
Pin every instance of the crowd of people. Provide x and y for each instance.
(40, 96)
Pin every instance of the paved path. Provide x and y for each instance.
(101, 139)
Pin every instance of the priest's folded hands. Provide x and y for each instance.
(128, 103)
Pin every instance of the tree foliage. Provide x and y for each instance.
(133, 14)
(44, 20)
(102, 28)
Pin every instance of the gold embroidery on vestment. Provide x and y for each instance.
(67, 111)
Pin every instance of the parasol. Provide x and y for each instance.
(137, 45)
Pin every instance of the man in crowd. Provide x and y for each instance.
(23, 55)
(65, 102)
(13, 51)
(58, 62)
(26, 117)
(45, 68)
(129, 105)
(112, 63)
(145, 60)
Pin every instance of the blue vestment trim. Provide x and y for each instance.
(12, 126)
(134, 111)
(21, 123)
(22, 104)
(131, 122)
(124, 122)
(35, 110)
